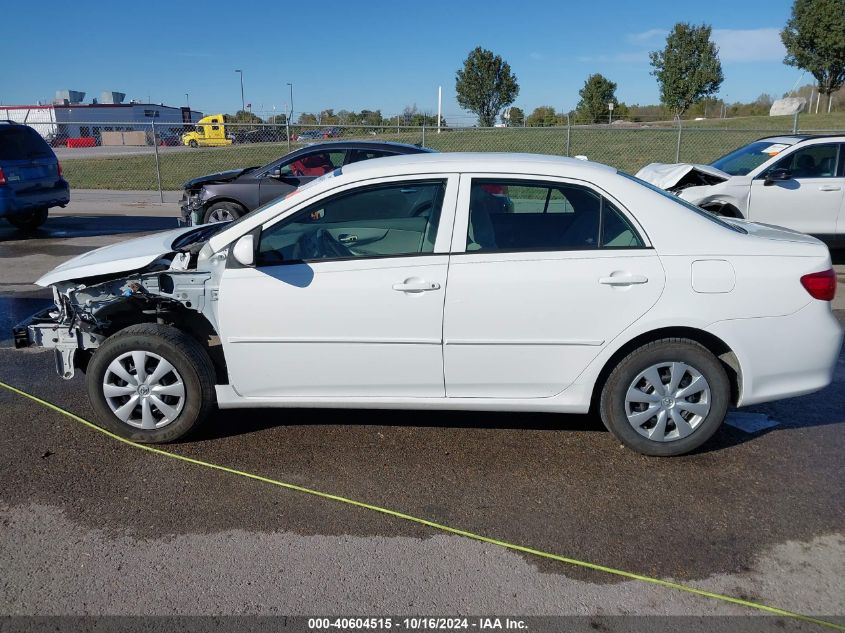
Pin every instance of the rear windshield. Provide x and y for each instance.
(19, 142)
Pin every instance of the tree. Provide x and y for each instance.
(688, 69)
(542, 116)
(516, 117)
(814, 38)
(485, 85)
(597, 92)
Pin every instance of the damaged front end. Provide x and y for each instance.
(679, 176)
(170, 289)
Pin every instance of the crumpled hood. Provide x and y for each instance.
(665, 175)
(116, 258)
(221, 176)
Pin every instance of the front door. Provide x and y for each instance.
(810, 201)
(551, 273)
(346, 299)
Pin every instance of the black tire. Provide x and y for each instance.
(232, 208)
(613, 395)
(185, 354)
(193, 143)
(29, 221)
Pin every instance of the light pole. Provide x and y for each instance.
(289, 115)
(188, 100)
(241, 73)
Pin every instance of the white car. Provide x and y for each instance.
(794, 181)
(497, 282)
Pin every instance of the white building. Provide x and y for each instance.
(67, 120)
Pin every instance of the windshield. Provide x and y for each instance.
(19, 142)
(706, 214)
(746, 159)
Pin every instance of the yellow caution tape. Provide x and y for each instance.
(438, 526)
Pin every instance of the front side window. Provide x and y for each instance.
(377, 221)
(313, 165)
(519, 216)
(813, 161)
(748, 158)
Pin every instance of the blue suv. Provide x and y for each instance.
(30, 177)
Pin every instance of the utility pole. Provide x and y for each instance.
(439, 106)
(188, 100)
(243, 106)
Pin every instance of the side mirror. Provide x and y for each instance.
(276, 173)
(777, 175)
(244, 250)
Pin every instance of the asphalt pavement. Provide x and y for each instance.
(92, 526)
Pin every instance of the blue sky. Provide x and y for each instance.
(370, 55)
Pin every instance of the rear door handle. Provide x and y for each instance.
(830, 188)
(623, 280)
(415, 284)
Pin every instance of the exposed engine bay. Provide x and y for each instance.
(170, 289)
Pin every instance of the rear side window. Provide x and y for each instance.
(19, 142)
(520, 216)
(366, 154)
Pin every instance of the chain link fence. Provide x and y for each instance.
(160, 160)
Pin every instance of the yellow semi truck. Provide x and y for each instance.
(210, 131)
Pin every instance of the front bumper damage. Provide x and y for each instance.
(191, 208)
(82, 317)
(45, 329)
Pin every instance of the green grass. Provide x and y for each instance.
(623, 147)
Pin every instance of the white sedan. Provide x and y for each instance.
(497, 282)
(796, 181)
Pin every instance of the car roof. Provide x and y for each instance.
(365, 144)
(499, 162)
(792, 139)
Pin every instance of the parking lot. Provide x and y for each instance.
(93, 526)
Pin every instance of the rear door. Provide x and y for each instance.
(295, 172)
(543, 275)
(811, 200)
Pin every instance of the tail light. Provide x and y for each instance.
(59, 168)
(821, 285)
(2, 177)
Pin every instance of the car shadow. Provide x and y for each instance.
(236, 422)
(64, 227)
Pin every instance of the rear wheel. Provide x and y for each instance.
(29, 221)
(666, 398)
(151, 383)
(223, 212)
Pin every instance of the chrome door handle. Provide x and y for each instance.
(415, 284)
(830, 188)
(623, 280)
(345, 238)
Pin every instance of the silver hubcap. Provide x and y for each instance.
(667, 401)
(221, 215)
(144, 390)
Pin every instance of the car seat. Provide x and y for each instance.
(805, 167)
(481, 235)
(314, 165)
(826, 167)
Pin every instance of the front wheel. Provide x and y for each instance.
(193, 144)
(666, 398)
(29, 221)
(151, 383)
(223, 212)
